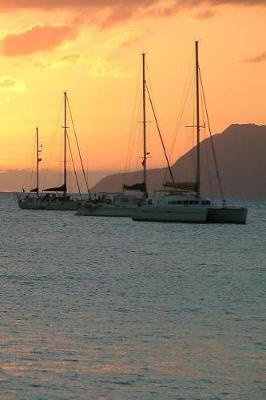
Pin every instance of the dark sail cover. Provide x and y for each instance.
(186, 186)
(137, 186)
(35, 190)
(56, 189)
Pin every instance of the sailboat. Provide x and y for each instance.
(184, 202)
(56, 198)
(123, 204)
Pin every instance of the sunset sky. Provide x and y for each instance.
(92, 49)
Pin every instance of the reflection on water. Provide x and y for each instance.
(97, 308)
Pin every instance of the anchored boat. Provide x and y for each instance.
(183, 201)
(123, 204)
(53, 198)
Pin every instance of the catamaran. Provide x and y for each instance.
(183, 201)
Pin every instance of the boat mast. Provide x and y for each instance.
(37, 161)
(65, 143)
(144, 163)
(198, 118)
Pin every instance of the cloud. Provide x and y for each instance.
(221, 2)
(114, 11)
(102, 68)
(10, 84)
(204, 14)
(38, 38)
(104, 14)
(52, 4)
(206, 7)
(97, 67)
(240, 2)
(66, 61)
(257, 59)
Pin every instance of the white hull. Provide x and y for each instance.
(106, 211)
(161, 214)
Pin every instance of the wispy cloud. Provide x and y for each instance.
(240, 2)
(39, 38)
(10, 84)
(101, 68)
(107, 13)
(98, 67)
(63, 62)
(257, 59)
(204, 14)
(51, 4)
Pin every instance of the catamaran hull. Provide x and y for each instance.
(106, 212)
(182, 215)
(227, 215)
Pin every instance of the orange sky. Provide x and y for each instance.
(92, 49)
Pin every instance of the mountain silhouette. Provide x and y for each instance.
(241, 157)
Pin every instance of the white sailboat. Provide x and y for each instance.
(123, 204)
(53, 198)
(185, 203)
(181, 203)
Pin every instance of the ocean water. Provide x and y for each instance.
(98, 308)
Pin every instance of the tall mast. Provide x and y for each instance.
(144, 126)
(198, 117)
(37, 161)
(65, 143)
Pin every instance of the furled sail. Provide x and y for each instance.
(186, 186)
(56, 189)
(137, 186)
(35, 190)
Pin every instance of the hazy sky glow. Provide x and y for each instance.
(92, 49)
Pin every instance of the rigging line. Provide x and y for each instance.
(148, 81)
(179, 119)
(73, 163)
(193, 144)
(206, 147)
(209, 169)
(134, 115)
(160, 135)
(138, 155)
(31, 175)
(77, 144)
(151, 96)
(52, 140)
(135, 144)
(185, 95)
(187, 92)
(132, 132)
(134, 159)
(211, 139)
(32, 166)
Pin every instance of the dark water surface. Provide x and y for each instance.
(98, 308)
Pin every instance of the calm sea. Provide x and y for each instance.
(98, 308)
